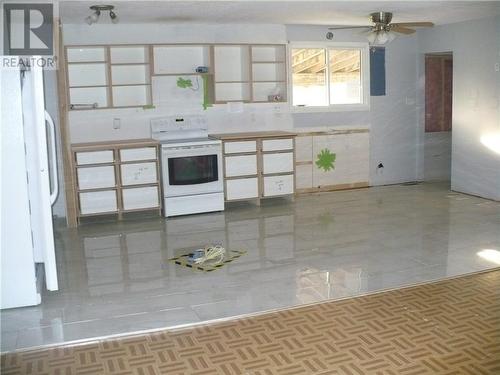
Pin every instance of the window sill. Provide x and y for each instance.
(333, 108)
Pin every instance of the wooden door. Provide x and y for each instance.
(438, 92)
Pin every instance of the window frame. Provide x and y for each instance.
(365, 76)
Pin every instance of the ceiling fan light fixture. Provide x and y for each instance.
(380, 38)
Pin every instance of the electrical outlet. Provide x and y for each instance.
(497, 67)
(117, 123)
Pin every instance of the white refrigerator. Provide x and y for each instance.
(29, 187)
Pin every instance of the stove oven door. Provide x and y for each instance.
(192, 170)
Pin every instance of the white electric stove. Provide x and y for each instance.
(191, 165)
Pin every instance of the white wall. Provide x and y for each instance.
(392, 118)
(476, 99)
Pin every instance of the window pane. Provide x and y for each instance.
(345, 76)
(309, 77)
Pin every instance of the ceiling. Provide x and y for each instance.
(282, 12)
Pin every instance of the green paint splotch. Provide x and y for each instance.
(325, 160)
(184, 83)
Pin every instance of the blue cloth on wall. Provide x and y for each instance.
(377, 71)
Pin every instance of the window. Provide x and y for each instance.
(333, 76)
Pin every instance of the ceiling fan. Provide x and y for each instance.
(382, 30)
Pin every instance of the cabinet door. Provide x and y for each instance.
(94, 157)
(136, 154)
(358, 146)
(139, 173)
(303, 149)
(240, 147)
(244, 165)
(277, 163)
(98, 202)
(304, 176)
(278, 185)
(340, 159)
(329, 154)
(277, 144)
(96, 177)
(138, 198)
(242, 188)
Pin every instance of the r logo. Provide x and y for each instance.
(28, 29)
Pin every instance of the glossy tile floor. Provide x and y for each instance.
(116, 278)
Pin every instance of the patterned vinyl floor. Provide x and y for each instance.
(447, 327)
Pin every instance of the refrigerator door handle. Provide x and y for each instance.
(53, 155)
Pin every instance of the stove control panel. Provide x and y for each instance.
(175, 127)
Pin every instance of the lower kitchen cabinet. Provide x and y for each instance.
(332, 161)
(116, 177)
(258, 165)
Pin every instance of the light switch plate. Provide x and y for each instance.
(116, 123)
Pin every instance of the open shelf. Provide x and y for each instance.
(129, 54)
(268, 53)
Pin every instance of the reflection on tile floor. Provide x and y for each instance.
(116, 278)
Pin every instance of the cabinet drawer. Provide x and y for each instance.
(133, 154)
(137, 198)
(277, 144)
(139, 173)
(278, 185)
(278, 163)
(96, 177)
(244, 165)
(238, 147)
(94, 157)
(242, 188)
(98, 202)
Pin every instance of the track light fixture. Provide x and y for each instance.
(96, 13)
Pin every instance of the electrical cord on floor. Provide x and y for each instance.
(214, 253)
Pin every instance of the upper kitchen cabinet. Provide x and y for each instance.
(123, 76)
(268, 73)
(108, 76)
(232, 73)
(88, 78)
(130, 76)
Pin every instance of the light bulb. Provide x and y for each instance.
(371, 37)
(95, 16)
(382, 37)
(113, 16)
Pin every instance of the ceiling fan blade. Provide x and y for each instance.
(348, 27)
(413, 24)
(402, 30)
